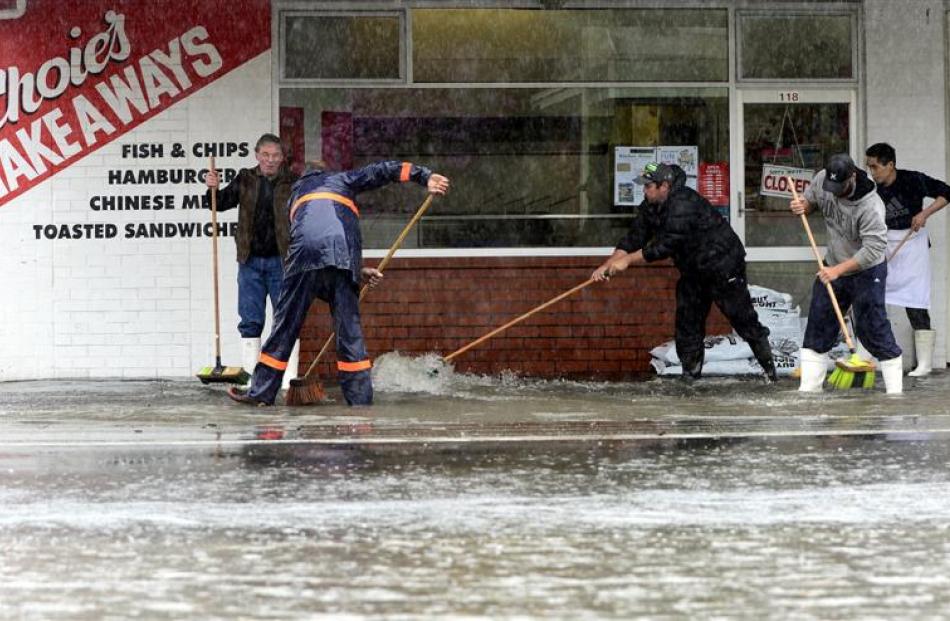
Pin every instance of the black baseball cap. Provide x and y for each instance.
(837, 173)
(655, 173)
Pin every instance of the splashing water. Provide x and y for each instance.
(396, 372)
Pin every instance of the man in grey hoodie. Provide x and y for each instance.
(854, 265)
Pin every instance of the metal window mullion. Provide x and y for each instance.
(406, 45)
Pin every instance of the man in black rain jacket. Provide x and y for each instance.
(675, 222)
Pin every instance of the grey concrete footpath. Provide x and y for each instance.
(470, 412)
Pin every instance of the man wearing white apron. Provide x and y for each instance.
(908, 269)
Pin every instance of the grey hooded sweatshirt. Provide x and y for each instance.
(855, 223)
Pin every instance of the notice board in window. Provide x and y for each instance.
(629, 163)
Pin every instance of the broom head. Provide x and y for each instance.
(855, 364)
(305, 391)
(852, 372)
(223, 375)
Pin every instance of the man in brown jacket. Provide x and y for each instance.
(263, 237)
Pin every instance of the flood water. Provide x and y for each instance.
(476, 498)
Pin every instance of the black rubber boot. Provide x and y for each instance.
(692, 365)
(763, 353)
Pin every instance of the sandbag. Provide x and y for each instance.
(728, 347)
(720, 347)
(769, 299)
(731, 355)
(784, 365)
(783, 323)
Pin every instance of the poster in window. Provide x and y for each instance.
(628, 164)
(686, 157)
(714, 182)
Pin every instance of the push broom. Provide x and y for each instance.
(853, 371)
(518, 319)
(218, 373)
(307, 390)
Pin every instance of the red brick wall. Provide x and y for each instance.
(604, 331)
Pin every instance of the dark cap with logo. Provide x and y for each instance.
(838, 172)
(655, 173)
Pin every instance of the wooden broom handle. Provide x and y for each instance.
(910, 234)
(484, 338)
(214, 261)
(821, 266)
(382, 265)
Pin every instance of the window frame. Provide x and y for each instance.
(735, 9)
(784, 13)
(281, 65)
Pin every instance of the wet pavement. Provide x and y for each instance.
(470, 497)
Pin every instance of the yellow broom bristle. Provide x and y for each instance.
(844, 379)
(855, 364)
(223, 375)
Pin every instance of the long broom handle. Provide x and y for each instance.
(214, 270)
(821, 265)
(909, 234)
(484, 338)
(382, 265)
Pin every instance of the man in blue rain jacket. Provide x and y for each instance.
(325, 261)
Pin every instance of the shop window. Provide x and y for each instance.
(341, 47)
(593, 45)
(777, 46)
(530, 167)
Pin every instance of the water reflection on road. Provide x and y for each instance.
(835, 527)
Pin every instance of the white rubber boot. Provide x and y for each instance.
(292, 363)
(250, 353)
(924, 346)
(893, 372)
(814, 367)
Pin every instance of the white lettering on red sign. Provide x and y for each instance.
(152, 82)
(26, 93)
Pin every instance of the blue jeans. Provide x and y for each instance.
(258, 278)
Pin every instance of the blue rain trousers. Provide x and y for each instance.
(336, 287)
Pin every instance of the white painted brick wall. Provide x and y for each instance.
(906, 107)
(128, 307)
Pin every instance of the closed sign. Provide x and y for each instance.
(775, 180)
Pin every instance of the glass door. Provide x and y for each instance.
(782, 134)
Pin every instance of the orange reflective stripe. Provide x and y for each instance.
(404, 173)
(339, 198)
(272, 362)
(352, 367)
